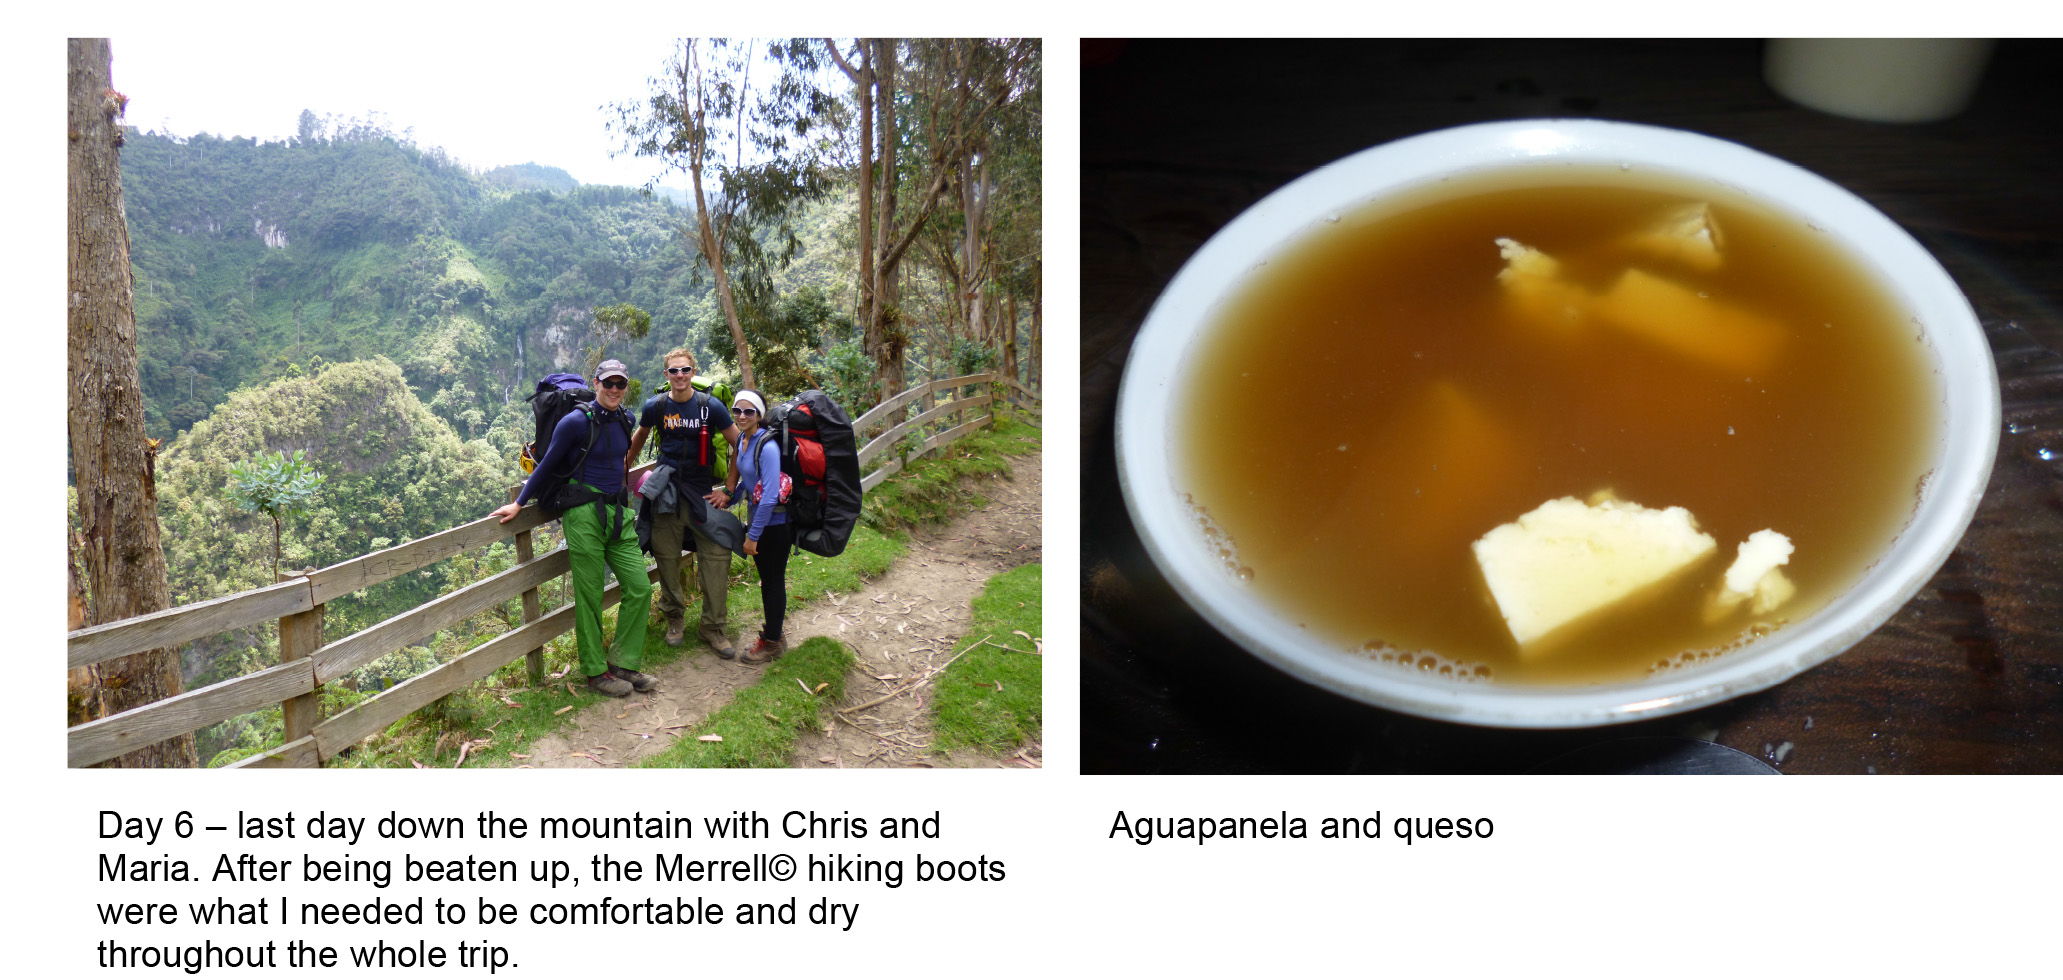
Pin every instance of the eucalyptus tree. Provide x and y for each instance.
(112, 461)
(925, 108)
(704, 118)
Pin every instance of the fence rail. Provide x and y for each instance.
(307, 664)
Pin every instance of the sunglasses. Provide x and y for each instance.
(686, 370)
(742, 410)
(615, 383)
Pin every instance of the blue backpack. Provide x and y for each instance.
(556, 395)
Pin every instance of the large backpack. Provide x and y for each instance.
(820, 458)
(556, 395)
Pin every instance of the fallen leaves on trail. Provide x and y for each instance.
(819, 689)
(463, 750)
(518, 755)
(709, 738)
(511, 702)
(416, 764)
(563, 710)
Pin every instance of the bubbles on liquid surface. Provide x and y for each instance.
(1429, 664)
(1692, 658)
(1217, 541)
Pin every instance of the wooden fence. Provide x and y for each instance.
(307, 662)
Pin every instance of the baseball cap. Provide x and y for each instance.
(612, 368)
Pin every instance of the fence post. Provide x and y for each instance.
(299, 635)
(534, 659)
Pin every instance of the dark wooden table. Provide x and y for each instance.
(1179, 137)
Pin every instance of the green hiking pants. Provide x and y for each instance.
(589, 545)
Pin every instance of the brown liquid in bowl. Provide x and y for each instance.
(1371, 402)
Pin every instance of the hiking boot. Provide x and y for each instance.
(676, 631)
(638, 682)
(765, 651)
(718, 642)
(608, 683)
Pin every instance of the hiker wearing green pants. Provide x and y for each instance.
(582, 476)
(590, 547)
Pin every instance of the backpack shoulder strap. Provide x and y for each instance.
(579, 458)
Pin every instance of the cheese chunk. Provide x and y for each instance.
(1754, 575)
(1686, 234)
(1533, 285)
(1525, 264)
(1565, 561)
(1689, 323)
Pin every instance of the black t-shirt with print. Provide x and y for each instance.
(685, 431)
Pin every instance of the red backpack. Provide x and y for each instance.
(821, 464)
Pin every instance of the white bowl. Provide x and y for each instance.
(1960, 462)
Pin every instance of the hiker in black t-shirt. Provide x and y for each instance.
(687, 421)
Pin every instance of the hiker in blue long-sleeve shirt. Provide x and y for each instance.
(601, 531)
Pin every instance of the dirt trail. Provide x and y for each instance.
(901, 626)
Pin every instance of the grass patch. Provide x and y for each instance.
(760, 725)
(990, 698)
(868, 554)
(942, 486)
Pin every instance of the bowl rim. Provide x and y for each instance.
(1956, 348)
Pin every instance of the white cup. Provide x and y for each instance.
(1959, 462)
(1876, 78)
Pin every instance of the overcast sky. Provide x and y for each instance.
(487, 100)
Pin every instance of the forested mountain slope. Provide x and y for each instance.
(254, 257)
(393, 472)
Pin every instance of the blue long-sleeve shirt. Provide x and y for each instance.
(603, 468)
(761, 464)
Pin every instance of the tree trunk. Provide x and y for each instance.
(863, 80)
(974, 194)
(1009, 328)
(118, 497)
(1034, 371)
(713, 251)
(83, 701)
(710, 238)
(887, 334)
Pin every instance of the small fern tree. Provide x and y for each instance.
(276, 485)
